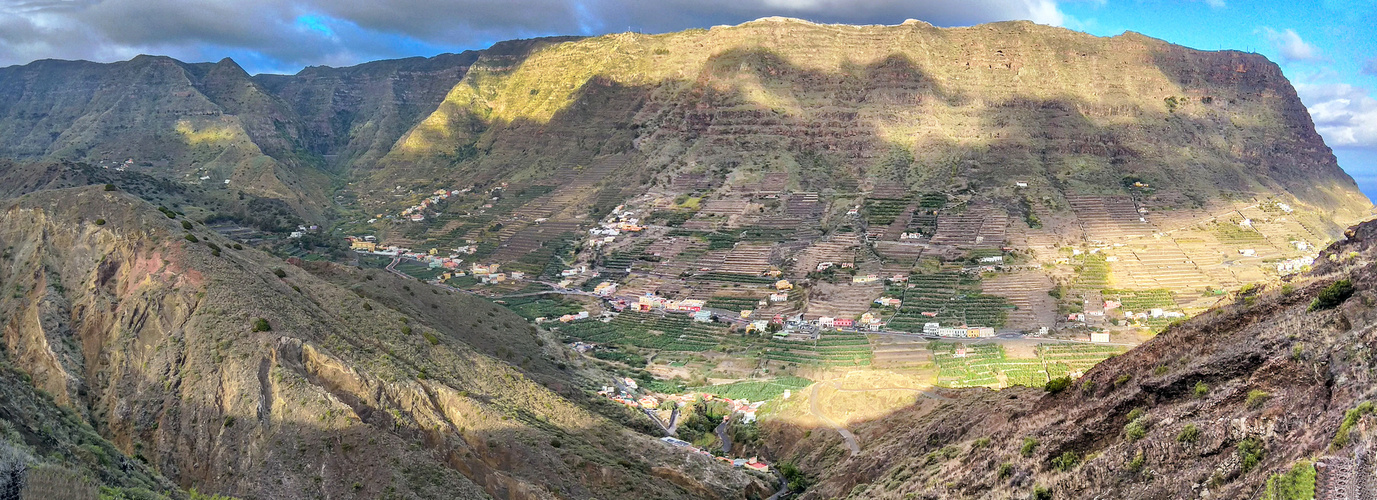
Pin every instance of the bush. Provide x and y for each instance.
(1189, 434)
(1332, 295)
(1351, 418)
(1058, 384)
(980, 443)
(1201, 389)
(1250, 453)
(1041, 493)
(1123, 379)
(406, 330)
(238, 246)
(1135, 430)
(261, 325)
(1067, 461)
(1257, 398)
(1136, 414)
(109, 187)
(1006, 469)
(430, 337)
(1160, 370)
(1296, 484)
(191, 237)
(1139, 460)
(1029, 446)
(279, 273)
(100, 222)
(186, 224)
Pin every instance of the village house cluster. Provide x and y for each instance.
(417, 213)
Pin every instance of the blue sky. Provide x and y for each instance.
(1327, 48)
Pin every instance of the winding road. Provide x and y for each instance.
(846, 434)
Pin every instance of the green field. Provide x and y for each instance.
(830, 349)
(956, 299)
(757, 390)
(987, 365)
(670, 332)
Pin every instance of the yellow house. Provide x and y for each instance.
(366, 246)
(784, 285)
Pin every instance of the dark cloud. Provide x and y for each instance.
(285, 35)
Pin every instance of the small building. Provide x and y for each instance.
(363, 246)
(826, 322)
(784, 285)
(843, 323)
(1099, 337)
(702, 316)
(931, 328)
(779, 297)
(869, 278)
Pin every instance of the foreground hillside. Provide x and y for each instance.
(231, 372)
(1241, 402)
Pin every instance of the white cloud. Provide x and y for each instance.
(273, 31)
(1291, 46)
(1344, 114)
(1218, 4)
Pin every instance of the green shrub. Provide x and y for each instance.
(1136, 414)
(406, 330)
(1042, 493)
(238, 246)
(261, 325)
(109, 187)
(100, 222)
(1058, 384)
(1135, 430)
(430, 337)
(1029, 446)
(186, 224)
(229, 420)
(1332, 295)
(1066, 461)
(1139, 460)
(1160, 370)
(1351, 418)
(191, 237)
(1189, 434)
(1123, 379)
(1201, 389)
(980, 443)
(1296, 484)
(279, 273)
(1257, 398)
(1006, 469)
(1250, 453)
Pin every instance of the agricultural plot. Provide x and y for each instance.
(1141, 300)
(883, 212)
(670, 332)
(950, 299)
(543, 306)
(967, 365)
(1092, 271)
(732, 303)
(830, 349)
(757, 390)
(1074, 359)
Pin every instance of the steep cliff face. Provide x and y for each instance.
(838, 107)
(1236, 403)
(156, 339)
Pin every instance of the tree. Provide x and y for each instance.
(261, 325)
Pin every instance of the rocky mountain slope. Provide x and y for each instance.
(1240, 402)
(844, 107)
(232, 372)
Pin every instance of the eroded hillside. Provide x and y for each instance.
(232, 372)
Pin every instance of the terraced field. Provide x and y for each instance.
(1074, 359)
(988, 365)
(954, 298)
(830, 349)
(670, 332)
